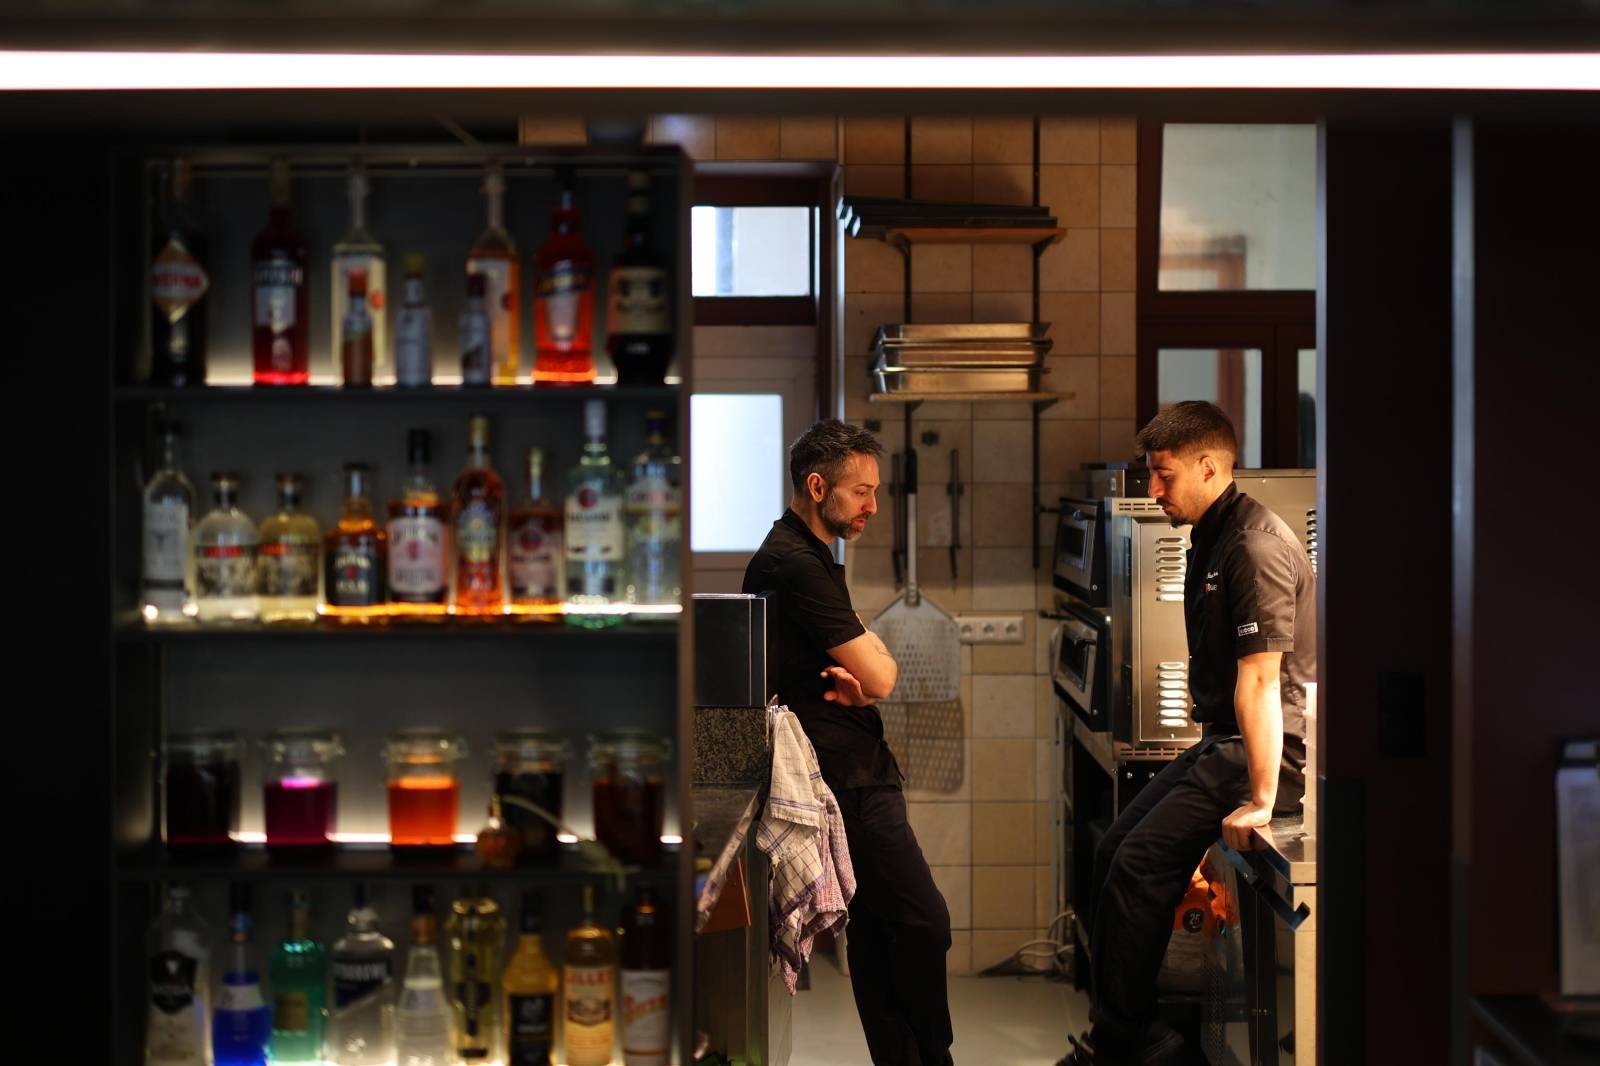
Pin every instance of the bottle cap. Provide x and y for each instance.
(414, 264)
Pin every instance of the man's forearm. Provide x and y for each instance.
(1258, 705)
(892, 667)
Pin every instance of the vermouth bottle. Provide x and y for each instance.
(178, 286)
(169, 501)
(280, 317)
(361, 1022)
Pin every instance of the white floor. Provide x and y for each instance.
(998, 1021)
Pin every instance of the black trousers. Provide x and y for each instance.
(899, 933)
(1143, 867)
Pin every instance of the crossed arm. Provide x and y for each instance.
(866, 671)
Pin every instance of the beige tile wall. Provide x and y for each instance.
(989, 840)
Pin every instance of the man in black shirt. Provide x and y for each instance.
(830, 670)
(1250, 615)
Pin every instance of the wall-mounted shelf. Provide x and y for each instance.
(1038, 237)
(254, 863)
(389, 394)
(1043, 399)
(663, 629)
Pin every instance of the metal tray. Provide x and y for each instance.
(890, 379)
(926, 333)
(926, 358)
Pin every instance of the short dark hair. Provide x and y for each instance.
(825, 447)
(1188, 427)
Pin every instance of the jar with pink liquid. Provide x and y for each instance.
(300, 795)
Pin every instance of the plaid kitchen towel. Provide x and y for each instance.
(802, 834)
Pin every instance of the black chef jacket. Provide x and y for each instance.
(814, 614)
(1248, 589)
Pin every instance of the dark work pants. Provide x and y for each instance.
(898, 935)
(1143, 868)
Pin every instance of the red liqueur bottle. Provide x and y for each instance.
(280, 315)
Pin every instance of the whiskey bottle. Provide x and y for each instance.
(639, 301)
(413, 331)
(654, 519)
(359, 250)
(168, 593)
(424, 1021)
(178, 1032)
(178, 286)
(646, 987)
(356, 337)
(476, 334)
(563, 309)
(361, 1020)
(534, 553)
(225, 546)
(594, 533)
(355, 555)
(495, 257)
(280, 324)
(588, 985)
(418, 538)
(477, 931)
(477, 522)
(290, 564)
(532, 992)
(299, 974)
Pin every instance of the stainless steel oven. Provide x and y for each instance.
(1080, 661)
(1080, 566)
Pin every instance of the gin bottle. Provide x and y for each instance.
(178, 1032)
(290, 561)
(654, 516)
(299, 988)
(423, 1022)
(359, 251)
(225, 544)
(361, 1022)
(595, 555)
(168, 521)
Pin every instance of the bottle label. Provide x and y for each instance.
(240, 993)
(413, 346)
(166, 528)
(225, 570)
(177, 280)
(646, 1016)
(355, 578)
(589, 992)
(289, 568)
(478, 533)
(594, 525)
(416, 560)
(561, 288)
(172, 976)
(355, 980)
(291, 1012)
(531, 1030)
(277, 280)
(475, 332)
(500, 301)
(175, 1034)
(638, 299)
(535, 558)
(655, 507)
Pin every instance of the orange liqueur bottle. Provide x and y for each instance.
(563, 310)
(478, 521)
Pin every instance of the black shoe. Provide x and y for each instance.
(1084, 1054)
(1162, 1045)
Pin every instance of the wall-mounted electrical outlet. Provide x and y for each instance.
(990, 628)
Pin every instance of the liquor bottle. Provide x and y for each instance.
(356, 337)
(225, 557)
(535, 559)
(639, 302)
(594, 533)
(654, 518)
(413, 331)
(356, 555)
(178, 1032)
(281, 328)
(290, 566)
(588, 987)
(532, 990)
(477, 520)
(477, 930)
(241, 1026)
(495, 257)
(361, 1022)
(178, 286)
(423, 1022)
(477, 334)
(359, 250)
(418, 574)
(563, 307)
(646, 988)
(168, 593)
(299, 976)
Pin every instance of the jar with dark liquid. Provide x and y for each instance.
(529, 768)
(200, 787)
(424, 795)
(628, 771)
(300, 796)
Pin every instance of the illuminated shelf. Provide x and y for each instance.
(647, 628)
(390, 394)
(251, 862)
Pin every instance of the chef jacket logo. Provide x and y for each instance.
(1210, 582)
(1249, 628)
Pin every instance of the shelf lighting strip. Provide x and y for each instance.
(36, 71)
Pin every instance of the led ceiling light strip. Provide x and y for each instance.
(69, 71)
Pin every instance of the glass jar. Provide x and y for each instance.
(628, 771)
(200, 788)
(300, 796)
(424, 795)
(530, 766)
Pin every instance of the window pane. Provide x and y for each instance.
(1228, 377)
(1238, 207)
(751, 251)
(736, 470)
(1306, 399)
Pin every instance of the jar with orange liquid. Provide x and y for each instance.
(424, 794)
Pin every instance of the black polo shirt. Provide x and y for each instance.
(814, 614)
(1249, 589)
